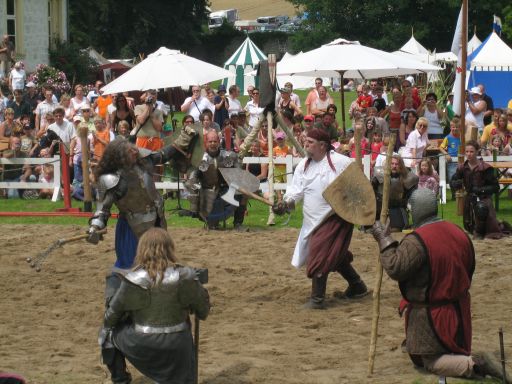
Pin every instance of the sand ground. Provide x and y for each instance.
(257, 331)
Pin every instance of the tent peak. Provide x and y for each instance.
(342, 41)
(163, 51)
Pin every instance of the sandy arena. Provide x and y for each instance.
(257, 331)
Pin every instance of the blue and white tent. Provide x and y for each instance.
(243, 62)
(491, 65)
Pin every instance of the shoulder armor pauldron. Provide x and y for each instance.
(139, 277)
(378, 173)
(107, 182)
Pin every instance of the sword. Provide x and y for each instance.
(40, 258)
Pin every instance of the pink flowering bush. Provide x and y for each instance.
(44, 74)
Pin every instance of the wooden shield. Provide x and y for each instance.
(352, 197)
(197, 146)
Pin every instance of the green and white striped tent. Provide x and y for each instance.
(243, 62)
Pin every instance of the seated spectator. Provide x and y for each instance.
(17, 172)
(406, 127)
(378, 101)
(428, 176)
(380, 123)
(365, 100)
(46, 177)
(260, 170)
(327, 125)
(416, 144)
(7, 128)
(123, 129)
(19, 106)
(28, 140)
(333, 110)
(364, 143)
(480, 183)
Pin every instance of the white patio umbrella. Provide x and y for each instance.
(350, 59)
(166, 68)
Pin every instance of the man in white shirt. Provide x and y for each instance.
(45, 106)
(194, 104)
(63, 128)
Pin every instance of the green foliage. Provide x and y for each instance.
(73, 61)
(388, 24)
(131, 27)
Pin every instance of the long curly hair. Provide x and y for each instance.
(156, 253)
(115, 157)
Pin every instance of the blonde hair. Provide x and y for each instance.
(156, 253)
(421, 120)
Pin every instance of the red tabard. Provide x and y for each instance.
(452, 262)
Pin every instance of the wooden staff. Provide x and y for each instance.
(378, 281)
(270, 137)
(83, 130)
(462, 147)
(358, 133)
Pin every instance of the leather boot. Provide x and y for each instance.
(116, 364)
(356, 287)
(238, 217)
(318, 287)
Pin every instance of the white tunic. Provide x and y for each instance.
(308, 186)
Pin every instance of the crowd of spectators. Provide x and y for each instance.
(40, 118)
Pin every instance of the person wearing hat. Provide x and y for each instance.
(280, 150)
(475, 108)
(293, 96)
(325, 237)
(221, 106)
(286, 103)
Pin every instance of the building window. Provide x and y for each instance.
(11, 20)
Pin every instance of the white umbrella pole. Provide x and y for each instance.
(342, 91)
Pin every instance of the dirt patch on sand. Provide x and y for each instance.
(257, 331)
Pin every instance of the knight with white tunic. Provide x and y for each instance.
(324, 237)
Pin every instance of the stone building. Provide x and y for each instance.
(33, 25)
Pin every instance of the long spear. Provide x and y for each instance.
(378, 280)
(462, 146)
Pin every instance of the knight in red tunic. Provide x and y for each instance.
(434, 266)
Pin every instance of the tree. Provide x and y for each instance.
(131, 27)
(388, 24)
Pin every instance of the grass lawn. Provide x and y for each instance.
(256, 217)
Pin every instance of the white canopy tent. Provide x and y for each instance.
(166, 68)
(299, 82)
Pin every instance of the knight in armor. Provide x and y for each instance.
(480, 183)
(402, 183)
(434, 266)
(147, 321)
(206, 184)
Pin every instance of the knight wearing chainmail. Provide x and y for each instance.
(480, 183)
(434, 266)
(206, 183)
(147, 320)
(402, 183)
(325, 237)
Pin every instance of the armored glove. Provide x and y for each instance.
(105, 338)
(382, 234)
(281, 208)
(185, 137)
(94, 237)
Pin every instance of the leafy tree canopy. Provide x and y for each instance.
(387, 24)
(127, 28)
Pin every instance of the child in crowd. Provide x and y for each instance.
(364, 145)
(450, 147)
(280, 150)
(46, 176)
(408, 107)
(496, 144)
(375, 147)
(123, 129)
(28, 140)
(365, 100)
(428, 176)
(379, 101)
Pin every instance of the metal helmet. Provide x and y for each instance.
(423, 205)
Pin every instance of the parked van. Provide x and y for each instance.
(215, 19)
(267, 20)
